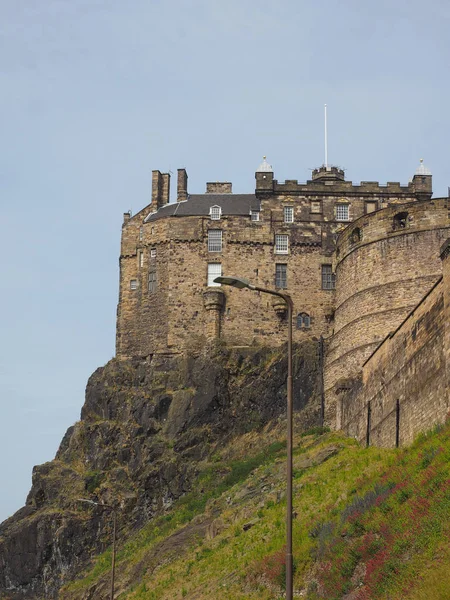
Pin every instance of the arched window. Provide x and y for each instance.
(400, 221)
(303, 321)
(356, 235)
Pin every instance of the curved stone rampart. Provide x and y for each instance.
(385, 263)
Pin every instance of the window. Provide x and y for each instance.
(356, 236)
(328, 278)
(141, 258)
(254, 214)
(214, 270)
(215, 240)
(400, 220)
(288, 214)
(303, 321)
(215, 213)
(141, 233)
(316, 206)
(281, 276)
(152, 281)
(342, 212)
(371, 207)
(133, 284)
(153, 253)
(281, 244)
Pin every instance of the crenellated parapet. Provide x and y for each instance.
(280, 236)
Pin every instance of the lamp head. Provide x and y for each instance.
(236, 282)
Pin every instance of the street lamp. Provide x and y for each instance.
(240, 283)
(113, 511)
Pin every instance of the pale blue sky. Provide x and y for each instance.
(97, 93)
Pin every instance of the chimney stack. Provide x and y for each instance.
(218, 187)
(182, 192)
(157, 184)
(165, 188)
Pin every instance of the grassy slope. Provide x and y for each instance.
(370, 524)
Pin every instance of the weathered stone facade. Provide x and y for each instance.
(164, 304)
(356, 260)
(383, 270)
(404, 385)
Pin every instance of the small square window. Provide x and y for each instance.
(153, 253)
(133, 284)
(342, 212)
(281, 276)
(328, 278)
(281, 244)
(215, 240)
(288, 214)
(214, 270)
(152, 281)
(316, 206)
(254, 214)
(215, 213)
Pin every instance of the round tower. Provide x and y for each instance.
(385, 263)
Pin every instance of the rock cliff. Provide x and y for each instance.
(144, 427)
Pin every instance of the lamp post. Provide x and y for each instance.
(242, 284)
(113, 511)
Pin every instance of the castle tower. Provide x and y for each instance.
(422, 182)
(385, 263)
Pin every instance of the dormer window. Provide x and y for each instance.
(254, 215)
(215, 212)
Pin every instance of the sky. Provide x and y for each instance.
(97, 93)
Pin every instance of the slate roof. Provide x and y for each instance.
(199, 205)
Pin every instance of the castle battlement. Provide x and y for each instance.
(356, 260)
(282, 235)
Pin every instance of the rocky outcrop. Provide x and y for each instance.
(144, 427)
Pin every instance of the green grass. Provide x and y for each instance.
(367, 519)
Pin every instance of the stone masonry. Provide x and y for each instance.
(356, 260)
(165, 301)
(403, 387)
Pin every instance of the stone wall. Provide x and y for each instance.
(383, 269)
(403, 389)
(178, 314)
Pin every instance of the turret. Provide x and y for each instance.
(264, 177)
(328, 173)
(422, 182)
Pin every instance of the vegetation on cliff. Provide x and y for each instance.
(192, 452)
(146, 428)
(370, 524)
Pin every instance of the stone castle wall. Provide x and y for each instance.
(386, 259)
(384, 267)
(403, 389)
(178, 314)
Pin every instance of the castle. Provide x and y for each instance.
(356, 260)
